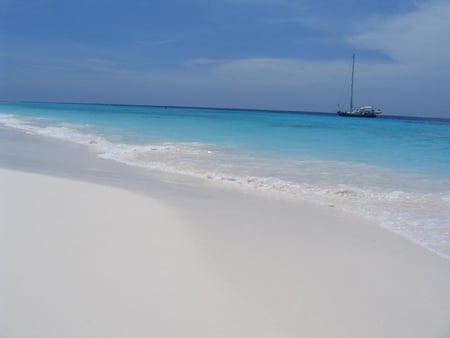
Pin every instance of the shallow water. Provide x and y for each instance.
(393, 170)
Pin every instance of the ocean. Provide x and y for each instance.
(395, 171)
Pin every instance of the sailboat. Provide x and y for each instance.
(364, 111)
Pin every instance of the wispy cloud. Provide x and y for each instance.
(329, 25)
(100, 65)
(205, 62)
(418, 35)
(271, 2)
(415, 42)
(158, 42)
(418, 38)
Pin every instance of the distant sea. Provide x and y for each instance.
(395, 171)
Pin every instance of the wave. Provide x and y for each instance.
(420, 216)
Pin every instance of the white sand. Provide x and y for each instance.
(84, 260)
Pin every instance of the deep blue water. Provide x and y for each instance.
(393, 170)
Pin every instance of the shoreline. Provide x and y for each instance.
(392, 208)
(96, 248)
(108, 251)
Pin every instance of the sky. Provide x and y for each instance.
(258, 54)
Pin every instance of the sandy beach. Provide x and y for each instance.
(184, 258)
(225, 169)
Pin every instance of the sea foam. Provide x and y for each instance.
(421, 216)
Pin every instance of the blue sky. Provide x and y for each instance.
(267, 54)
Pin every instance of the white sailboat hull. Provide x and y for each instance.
(366, 111)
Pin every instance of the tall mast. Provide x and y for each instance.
(353, 78)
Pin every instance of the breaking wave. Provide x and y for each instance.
(421, 216)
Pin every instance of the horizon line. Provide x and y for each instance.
(260, 110)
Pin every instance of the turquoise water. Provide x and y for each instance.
(393, 170)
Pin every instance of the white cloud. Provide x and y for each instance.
(329, 25)
(413, 82)
(419, 38)
(279, 71)
(100, 65)
(204, 62)
(272, 83)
